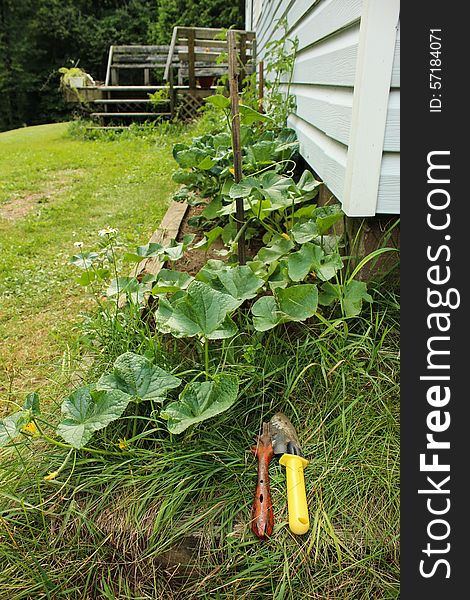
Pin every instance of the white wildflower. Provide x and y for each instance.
(78, 244)
(107, 232)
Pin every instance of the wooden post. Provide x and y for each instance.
(236, 140)
(172, 94)
(261, 86)
(191, 60)
(242, 59)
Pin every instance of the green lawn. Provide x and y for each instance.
(54, 191)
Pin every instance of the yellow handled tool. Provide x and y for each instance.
(285, 442)
(296, 497)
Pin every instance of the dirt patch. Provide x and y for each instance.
(193, 260)
(19, 207)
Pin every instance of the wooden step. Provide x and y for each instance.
(149, 65)
(124, 100)
(139, 88)
(130, 114)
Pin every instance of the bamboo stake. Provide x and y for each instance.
(261, 86)
(236, 140)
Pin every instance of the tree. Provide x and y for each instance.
(37, 37)
(193, 13)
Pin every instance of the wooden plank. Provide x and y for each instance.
(121, 100)
(204, 57)
(167, 230)
(114, 76)
(130, 114)
(137, 88)
(371, 92)
(209, 33)
(191, 59)
(119, 66)
(136, 48)
(139, 58)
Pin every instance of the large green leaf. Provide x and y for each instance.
(32, 403)
(136, 376)
(295, 303)
(351, 295)
(262, 153)
(244, 188)
(199, 312)
(200, 401)
(87, 410)
(239, 281)
(265, 313)
(354, 294)
(305, 232)
(274, 187)
(278, 247)
(248, 115)
(209, 238)
(218, 101)
(299, 264)
(11, 426)
(307, 182)
(327, 216)
(311, 258)
(298, 302)
(169, 282)
(190, 158)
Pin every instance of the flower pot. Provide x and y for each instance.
(78, 81)
(206, 81)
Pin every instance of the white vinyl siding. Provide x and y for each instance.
(329, 32)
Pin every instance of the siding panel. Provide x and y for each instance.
(323, 84)
(327, 108)
(325, 156)
(388, 200)
(396, 62)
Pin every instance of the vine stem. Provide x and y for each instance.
(69, 447)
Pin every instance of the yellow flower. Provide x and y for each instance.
(122, 444)
(51, 476)
(232, 170)
(285, 236)
(30, 428)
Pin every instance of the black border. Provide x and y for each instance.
(421, 133)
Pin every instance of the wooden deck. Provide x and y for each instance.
(185, 72)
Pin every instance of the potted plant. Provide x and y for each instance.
(73, 77)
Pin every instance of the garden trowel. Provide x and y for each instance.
(262, 518)
(285, 442)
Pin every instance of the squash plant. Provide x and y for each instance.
(133, 380)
